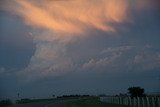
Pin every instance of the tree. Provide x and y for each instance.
(136, 91)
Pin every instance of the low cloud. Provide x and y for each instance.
(49, 59)
(125, 58)
(107, 61)
(145, 61)
(2, 70)
(116, 49)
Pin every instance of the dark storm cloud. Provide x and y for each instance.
(16, 46)
(69, 63)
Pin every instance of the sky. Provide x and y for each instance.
(78, 47)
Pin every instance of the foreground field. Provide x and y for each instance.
(91, 102)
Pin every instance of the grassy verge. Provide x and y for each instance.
(91, 102)
(22, 101)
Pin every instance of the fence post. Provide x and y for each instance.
(117, 100)
(130, 101)
(134, 101)
(158, 101)
(124, 101)
(153, 102)
(120, 100)
(147, 101)
(138, 101)
(112, 100)
(143, 103)
(127, 99)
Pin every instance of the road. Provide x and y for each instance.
(55, 103)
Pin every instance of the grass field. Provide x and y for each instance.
(91, 102)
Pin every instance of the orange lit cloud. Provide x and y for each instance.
(72, 16)
(76, 16)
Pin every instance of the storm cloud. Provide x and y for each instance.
(59, 24)
(78, 46)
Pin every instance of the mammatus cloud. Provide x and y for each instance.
(65, 20)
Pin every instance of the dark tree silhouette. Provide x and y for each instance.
(136, 91)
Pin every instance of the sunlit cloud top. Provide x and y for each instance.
(72, 16)
(76, 16)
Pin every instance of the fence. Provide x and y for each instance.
(133, 102)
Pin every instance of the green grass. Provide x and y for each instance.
(91, 102)
(22, 101)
